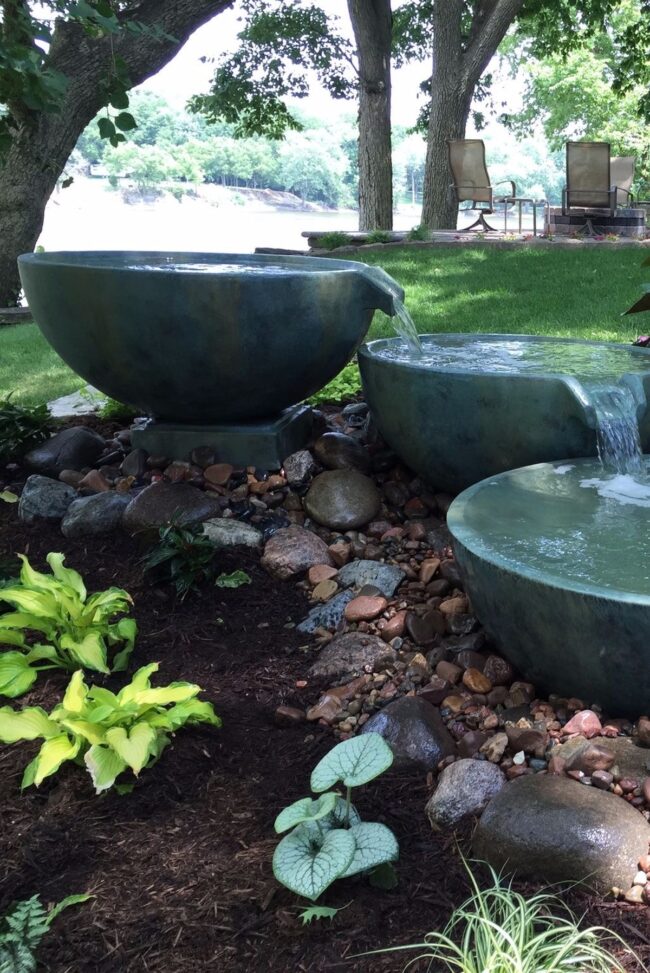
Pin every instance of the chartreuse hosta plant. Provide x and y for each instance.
(74, 629)
(327, 839)
(108, 732)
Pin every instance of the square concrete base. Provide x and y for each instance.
(264, 443)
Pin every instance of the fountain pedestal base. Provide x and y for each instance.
(264, 443)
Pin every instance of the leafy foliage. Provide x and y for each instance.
(108, 732)
(379, 236)
(233, 580)
(112, 409)
(183, 556)
(77, 629)
(333, 239)
(22, 929)
(22, 427)
(327, 839)
(497, 928)
(418, 232)
(643, 304)
(317, 912)
(346, 385)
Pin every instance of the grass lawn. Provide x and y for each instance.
(580, 293)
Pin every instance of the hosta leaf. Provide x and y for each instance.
(9, 637)
(52, 754)
(375, 845)
(134, 747)
(104, 697)
(191, 711)
(35, 602)
(125, 630)
(25, 620)
(354, 762)
(74, 699)
(89, 652)
(139, 682)
(305, 810)
(27, 724)
(35, 579)
(67, 575)
(104, 765)
(16, 674)
(308, 867)
(175, 692)
(106, 603)
(84, 728)
(39, 652)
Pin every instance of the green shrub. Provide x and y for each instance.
(332, 240)
(379, 236)
(499, 930)
(77, 629)
(419, 232)
(112, 409)
(346, 385)
(22, 929)
(22, 427)
(183, 556)
(107, 732)
(327, 839)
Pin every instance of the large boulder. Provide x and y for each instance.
(164, 503)
(415, 733)
(292, 550)
(98, 514)
(71, 449)
(349, 654)
(43, 498)
(342, 499)
(464, 788)
(557, 830)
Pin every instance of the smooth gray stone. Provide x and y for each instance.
(336, 451)
(464, 788)
(292, 550)
(224, 532)
(386, 577)
(327, 615)
(249, 339)
(165, 503)
(348, 654)
(342, 499)
(557, 830)
(98, 514)
(71, 449)
(44, 499)
(415, 732)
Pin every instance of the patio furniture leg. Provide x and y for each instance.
(481, 221)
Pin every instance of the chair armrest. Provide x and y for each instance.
(619, 189)
(509, 182)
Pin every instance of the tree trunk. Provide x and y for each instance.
(44, 140)
(372, 26)
(459, 60)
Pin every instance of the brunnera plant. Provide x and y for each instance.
(107, 732)
(75, 629)
(327, 839)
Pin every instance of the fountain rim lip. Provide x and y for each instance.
(296, 263)
(466, 536)
(367, 351)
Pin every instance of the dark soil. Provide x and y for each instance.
(180, 869)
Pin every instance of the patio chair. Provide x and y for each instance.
(471, 179)
(622, 175)
(588, 178)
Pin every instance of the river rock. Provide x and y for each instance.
(464, 788)
(630, 760)
(71, 449)
(342, 499)
(98, 514)
(226, 532)
(292, 550)
(43, 498)
(348, 654)
(164, 503)
(364, 608)
(299, 467)
(385, 577)
(555, 830)
(415, 732)
(336, 451)
(327, 615)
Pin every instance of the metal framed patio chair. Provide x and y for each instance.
(471, 181)
(622, 176)
(588, 178)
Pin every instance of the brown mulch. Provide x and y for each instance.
(180, 869)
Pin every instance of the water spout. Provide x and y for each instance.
(392, 303)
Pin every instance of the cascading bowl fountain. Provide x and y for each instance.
(556, 559)
(472, 405)
(218, 348)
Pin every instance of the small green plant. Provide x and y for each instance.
(107, 732)
(77, 629)
(419, 232)
(327, 839)
(22, 427)
(233, 580)
(379, 236)
(183, 556)
(8, 497)
(346, 385)
(112, 409)
(22, 929)
(499, 930)
(332, 240)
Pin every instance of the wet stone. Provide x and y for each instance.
(464, 789)
(336, 451)
(364, 608)
(98, 514)
(43, 498)
(71, 449)
(342, 499)
(423, 629)
(327, 615)
(415, 732)
(299, 467)
(135, 463)
(292, 550)
(385, 577)
(227, 532)
(348, 654)
(164, 503)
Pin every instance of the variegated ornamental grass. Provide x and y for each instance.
(74, 629)
(108, 732)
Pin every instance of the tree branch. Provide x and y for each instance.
(489, 26)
